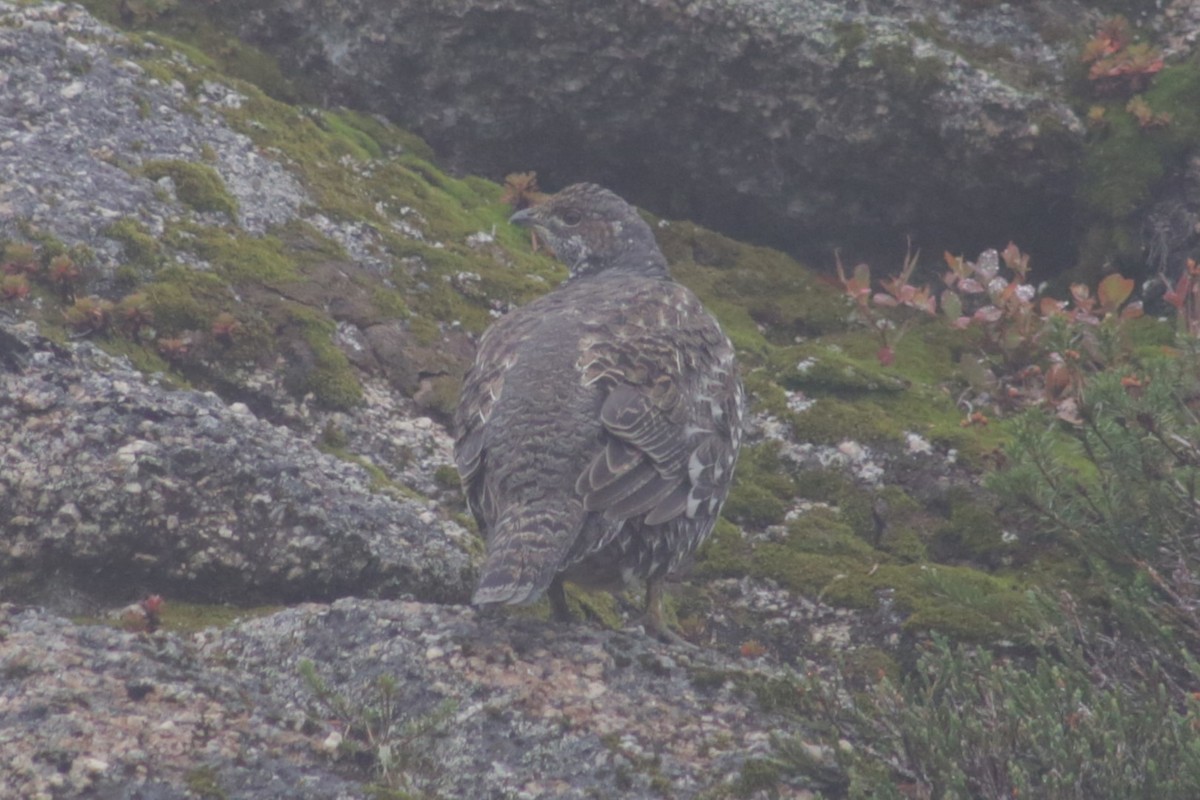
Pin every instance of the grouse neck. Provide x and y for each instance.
(650, 268)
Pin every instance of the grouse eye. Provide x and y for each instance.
(572, 217)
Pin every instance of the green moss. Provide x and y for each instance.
(391, 303)
(1120, 168)
(1149, 335)
(391, 140)
(850, 36)
(868, 665)
(156, 71)
(726, 553)
(183, 299)
(1124, 163)
(353, 139)
(190, 617)
(958, 601)
(831, 578)
(380, 481)
(760, 295)
(830, 421)
(823, 367)
(754, 506)
(899, 524)
(145, 359)
(48, 245)
(239, 257)
(764, 393)
(973, 532)
(330, 378)
(446, 477)
(904, 542)
(188, 28)
(824, 531)
(425, 331)
(140, 248)
(757, 775)
(203, 782)
(598, 606)
(762, 490)
(196, 185)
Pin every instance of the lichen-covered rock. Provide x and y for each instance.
(92, 137)
(799, 124)
(111, 478)
(97, 712)
(461, 705)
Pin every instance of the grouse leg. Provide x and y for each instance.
(653, 620)
(558, 600)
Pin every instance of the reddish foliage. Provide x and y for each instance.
(1026, 359)
(521, 190)
(1116, 64)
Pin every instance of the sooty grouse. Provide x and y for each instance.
(598, 429)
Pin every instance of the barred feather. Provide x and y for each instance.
(598, 430)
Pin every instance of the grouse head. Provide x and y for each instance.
(592, 230)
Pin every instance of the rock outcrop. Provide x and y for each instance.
(112, 483)
(803, 125)
(301, 703)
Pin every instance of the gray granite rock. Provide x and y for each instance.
(113, 479)
(313, 701)
(801, 124)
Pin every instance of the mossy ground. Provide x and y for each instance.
(197, 185)
(180, 617)
(452, 261)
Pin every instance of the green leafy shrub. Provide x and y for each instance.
(967, 724)
(1123, 490)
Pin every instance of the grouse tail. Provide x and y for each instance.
(525, 551)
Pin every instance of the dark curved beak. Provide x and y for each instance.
(525, 217)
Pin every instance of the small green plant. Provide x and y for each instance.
(897, 292)
(19, 258)
(400, 748)
(134, 315)
(89, 316)
(14, 287)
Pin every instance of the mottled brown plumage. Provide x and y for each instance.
(599, 427)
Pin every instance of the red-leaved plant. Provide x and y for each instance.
(1033, 349)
